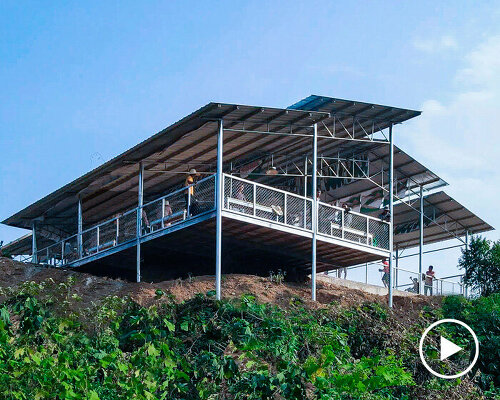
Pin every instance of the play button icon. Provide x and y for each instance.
(448, 348)
(456, 332)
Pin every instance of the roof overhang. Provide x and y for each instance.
(250, 132)
(445, 219)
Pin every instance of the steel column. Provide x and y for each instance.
(421, 242)
(466, 248)
(80, 228)
(391, 212)
(315, 210)
(140, 202)
(305, 177)
(34, 256)
(219, 197)
(397, 267)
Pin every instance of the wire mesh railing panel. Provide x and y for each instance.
(308, 211)
(329, 220)
(239, 195)
(378, 233)
(89, 241)
(296, 211)
(54, 254)
(127, 226)
(270, 204)
(152, 215)
(70, 246)
(42, 256)
(108, 235)
(355, 228)
(204, 196)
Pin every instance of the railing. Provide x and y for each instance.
(440, 286)
(263, 202)
(240, 196)
(169, 210)
(352, 226)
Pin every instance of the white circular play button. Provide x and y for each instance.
(447, 348)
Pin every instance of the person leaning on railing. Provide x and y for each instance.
(189, 195)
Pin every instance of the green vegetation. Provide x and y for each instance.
(481, 263)
(52, 348)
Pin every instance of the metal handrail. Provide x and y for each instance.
(353, 212)
(131, 211)
(267, 187)
(287, 195)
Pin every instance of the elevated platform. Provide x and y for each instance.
(263, 229)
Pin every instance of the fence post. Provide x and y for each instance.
(163, 212)
(284, 210)
(98, 231)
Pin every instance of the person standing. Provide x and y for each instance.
(340, 271)
(429, 280)
(385, 270)
(189, 195)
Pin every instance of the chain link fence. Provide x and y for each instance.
(241, 196)
(173, 208)
(336, 222)
(264, 202)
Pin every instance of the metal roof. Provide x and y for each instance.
(442, 209)
(188, 143)
(22, 245)
(385, 115)
(191, 143)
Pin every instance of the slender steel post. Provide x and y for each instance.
(366, 273)
(305, 177)
(219, 197)
(80, 228)
(140, 202)
(397, 267)
(315, 209)
(466, 248)
(421, 242)
(391, 211)
(34, 256)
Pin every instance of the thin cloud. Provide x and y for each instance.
(459, 137)
(446, 42)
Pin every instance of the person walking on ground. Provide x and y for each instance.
(429, 280)
(339, 272)
(385, 270)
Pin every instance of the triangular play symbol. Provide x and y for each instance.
(448, 348)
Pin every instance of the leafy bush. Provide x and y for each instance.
(483, 316)
(481, 262)
(204, 349)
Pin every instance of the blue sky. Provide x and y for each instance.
(83, 81)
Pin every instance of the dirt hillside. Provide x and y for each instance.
(92, 288)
